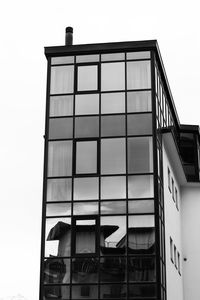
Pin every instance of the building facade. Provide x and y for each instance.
(121, 178)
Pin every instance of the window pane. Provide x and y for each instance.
(87, 127)
(113, 291)
(113, 158)
(87, 78)
(59, 189)
(112, 76)
(112, 269)
(139, 101)
(112, 56)
(60, 128)
(85, 236)
(56, 271)
(139, 124)
(86, 188)
(87, 58)
(112, 125)
(142, 269)
(87, 104)
(138, 75)
(142, 290)
(141, 206)
(62, 79)
(85, 208)
(138, 55)
(86, 157)
(115, 226)
(112, 103)
(113, 187)
(61, 106)
(58, 237)
(110, 207)
(139, 221)
(84, 292)
(58, 209)
(140, 186)
(60, 158)
(140, 156)
(85, 269)
(62, 60)
(56, 292)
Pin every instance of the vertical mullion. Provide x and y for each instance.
(126, 153)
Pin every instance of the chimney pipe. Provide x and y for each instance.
(68, 36)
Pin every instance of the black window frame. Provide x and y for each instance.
(76, 78)
(73, 237)
(75, 141)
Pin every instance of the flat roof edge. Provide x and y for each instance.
(89, 48)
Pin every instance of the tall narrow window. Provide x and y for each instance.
(171, 250)
(173, 189)
(87, 78)
(176, 198)
(175, 256)
(179, 263)
(169, 180)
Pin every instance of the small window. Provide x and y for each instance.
(175, 256)
(169, 180)
(179, 263)
(171, 250)
(176, 198)
(84, 236)
(173, 189)
(86, 157)
(87, 78)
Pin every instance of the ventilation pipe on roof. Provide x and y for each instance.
(68, 36)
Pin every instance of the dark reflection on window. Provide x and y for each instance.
(142, 290)
(85, 236)
(86, 127)
(60, 128)
(56, 292)
(113, 291)
(112, 125)
(85, 270)
(85, 292)
(57, 270)
(58, 237)
(113, 207)
(112, 269)
(141, 269)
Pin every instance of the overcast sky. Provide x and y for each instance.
(26, 26)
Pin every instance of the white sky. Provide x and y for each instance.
(26, 26)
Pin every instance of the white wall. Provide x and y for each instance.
(172, 229)
(191, 241)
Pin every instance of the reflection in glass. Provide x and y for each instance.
(87, 78)
(85, 270)
(62, 79)
(86, 188)
(115, 231)
(87, 104)
(85, 208)
(59, 189)
(138, 55)
(113, 207)
(139, 124)
(112, 125)
(113, 187)
(140, 186)
(142, 290)
(112, 56)
(113, 291)
(141, 221)
(113, 156)
(60, 158)
(60, 128)
(56, 292)
(141, 268)
(61, 106)
(58, 209)
(112, 103)
(138, 75)
(85, 236)
(58, 237)
(86, 157)
(62, 60)
(140, 155)
(112, 269)
(141, 206)
(139, 101)
(87, 127)
(56, 270)
(112, 76)
(85, 292)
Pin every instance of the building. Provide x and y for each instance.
(121, 178)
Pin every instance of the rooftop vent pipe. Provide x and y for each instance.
(68, 36)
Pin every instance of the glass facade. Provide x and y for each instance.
(101, 183)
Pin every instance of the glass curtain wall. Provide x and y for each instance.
(99, 206)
